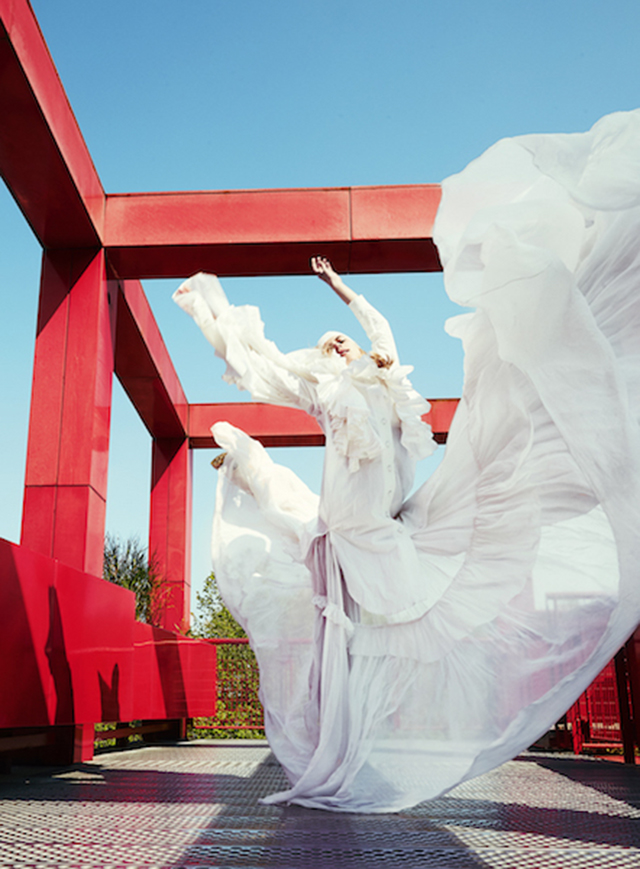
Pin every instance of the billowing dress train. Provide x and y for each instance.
(406, 645)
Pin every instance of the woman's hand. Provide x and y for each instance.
(321, 266)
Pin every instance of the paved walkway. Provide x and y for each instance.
(195, 805)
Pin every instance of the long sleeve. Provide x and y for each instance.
(376, 326)
(253, 362)
(409, 405)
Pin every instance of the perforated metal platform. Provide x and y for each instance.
(195, 805)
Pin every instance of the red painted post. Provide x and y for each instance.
(626, 721)
(632, 651)
(83, 743)
(170, 529)
(68, 446)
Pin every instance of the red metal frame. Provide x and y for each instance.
(266, 232)
(74, 654)
(144, 368)
(170, 526)
(285, 426)
(44, 159)
(68, 447)
(72, 631)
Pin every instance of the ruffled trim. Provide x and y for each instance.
(236, 332)
(349, 415)
(350, 419)
(416, 437)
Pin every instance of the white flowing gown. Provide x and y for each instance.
(407, 645)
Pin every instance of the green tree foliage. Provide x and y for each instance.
(238, 706)
(127, 564)
(212, 618)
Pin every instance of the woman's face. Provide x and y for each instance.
(343, 346)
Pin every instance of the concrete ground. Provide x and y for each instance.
(196, 805)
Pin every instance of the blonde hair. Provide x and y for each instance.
(381, 361)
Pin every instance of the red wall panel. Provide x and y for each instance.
(174, 676)
(72, 651)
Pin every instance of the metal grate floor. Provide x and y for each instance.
(195, 805)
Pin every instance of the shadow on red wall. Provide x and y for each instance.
(73, 653)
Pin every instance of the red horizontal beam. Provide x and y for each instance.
(272, 425)
(276, 426)
(143, 365)
(260, 232)
(47, 167)
(381, 257)
(43, 157)
(440, 417)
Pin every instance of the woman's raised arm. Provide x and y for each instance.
(321, 266)
(237, 334)
(383, 348)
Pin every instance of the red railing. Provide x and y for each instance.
(602, 718)
(594, 718)
(238, 706)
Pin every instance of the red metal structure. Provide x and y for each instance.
(73, 654)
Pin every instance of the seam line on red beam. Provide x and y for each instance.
(67, 486)
(350, 215)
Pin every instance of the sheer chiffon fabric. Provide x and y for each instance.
(406, 645)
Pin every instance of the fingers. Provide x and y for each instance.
(320, 265)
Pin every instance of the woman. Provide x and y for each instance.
(406, 645)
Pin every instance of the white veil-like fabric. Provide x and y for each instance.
(237, 335)
(527, 535)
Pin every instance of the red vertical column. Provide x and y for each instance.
(170, 530)
(68, 445)
(632, 650)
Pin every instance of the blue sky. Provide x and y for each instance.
(216, 95)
